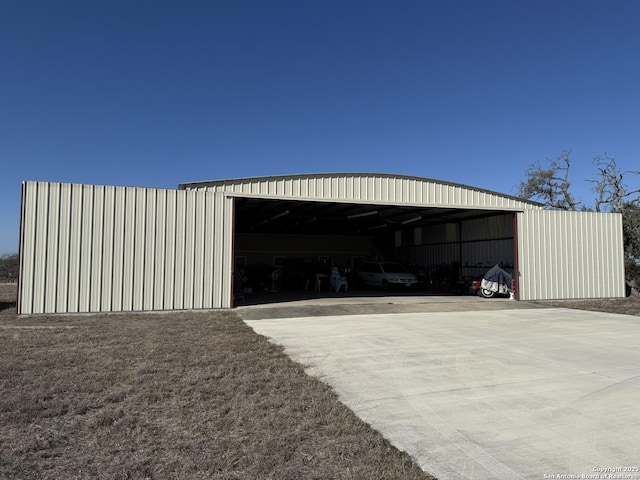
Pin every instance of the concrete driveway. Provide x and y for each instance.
(512, 393)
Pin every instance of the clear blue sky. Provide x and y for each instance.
(154, 93)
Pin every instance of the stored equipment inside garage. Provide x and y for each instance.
(284, 245)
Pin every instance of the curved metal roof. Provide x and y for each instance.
(367, 187)
(354, 202)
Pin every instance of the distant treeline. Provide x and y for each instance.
(9, 267)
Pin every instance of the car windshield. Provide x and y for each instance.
(391, 267)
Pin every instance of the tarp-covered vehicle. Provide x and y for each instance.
(495, 281)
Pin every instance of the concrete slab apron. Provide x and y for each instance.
(541, 393)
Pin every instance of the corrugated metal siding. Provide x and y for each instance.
(366, 188)
(89, 248)
(479, 243)
(499, 226)
(488, 253)
(570, 255)
(427, 255)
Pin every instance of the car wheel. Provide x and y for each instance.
(487, 293)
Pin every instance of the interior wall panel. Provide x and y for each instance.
(498, 226)
(87, 248)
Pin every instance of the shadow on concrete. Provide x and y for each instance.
(7, 306)
(268, 305)
(285, 296)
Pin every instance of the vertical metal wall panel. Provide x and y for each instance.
(570, 255)
(27, 250)
(159, 250)
(224, 280)
(530, 270)
(167, 301)
(198, 253)
(218, 248)
(128, 248)
(108, 265)
(189, 249)
(24, 243)
(98, 239)
(86, 252)
(180, 235)
(118, 249)
(182, 218)
(200, 273)
(53, 232)
(150, 250)
(208, 262)
(86, 248)
(62, 274)
(191, 252)
(75, 239)
(139, 241)
(41, 250)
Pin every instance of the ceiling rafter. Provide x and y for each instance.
(259, 215)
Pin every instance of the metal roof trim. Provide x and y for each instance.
(212, 183)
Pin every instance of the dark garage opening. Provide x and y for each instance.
(287, 248)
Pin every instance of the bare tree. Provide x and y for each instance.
(9, 267)
(631, 237)
(612, 195)
(611, 192)
(631, 228)
(551, 185)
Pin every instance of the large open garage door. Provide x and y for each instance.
(286, 245)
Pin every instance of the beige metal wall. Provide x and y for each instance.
(89, 248)
(570, 255)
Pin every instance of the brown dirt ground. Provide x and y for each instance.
(179, 395)
(172, 395)
(8, 296)
(628, 306)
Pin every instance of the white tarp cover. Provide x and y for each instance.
(496, 280)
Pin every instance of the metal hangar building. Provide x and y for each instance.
(95, 248)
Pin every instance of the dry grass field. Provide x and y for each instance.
(8, 293)
(626, 306)
(178, 395)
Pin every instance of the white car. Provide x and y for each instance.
(385, 275)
